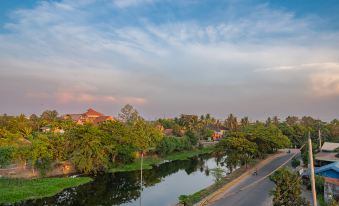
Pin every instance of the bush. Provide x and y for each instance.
(295, 162)
(171, 144)
(192, 138)
(319, 184)
(6, 156)
(43, 165)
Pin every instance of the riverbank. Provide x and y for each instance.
(215, 189)
(15, 190)
(150, 161)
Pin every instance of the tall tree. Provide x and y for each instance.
(240, 149)
(88, 151)
(292, 120)
(288, 189)
(244, 122)
(49, 115)
(231, 122)
(129, 114)
(275, 120)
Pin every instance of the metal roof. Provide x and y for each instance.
(329, 146)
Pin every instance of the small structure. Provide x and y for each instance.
(218, 132)
(331, 189)
(329, 147)
(330, 173)
(327, 154)
(45, 129)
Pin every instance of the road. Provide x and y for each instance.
(258, 194)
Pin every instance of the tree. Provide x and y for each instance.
(41, 153)
(145, 136)
(241, 149)
(88, 151)
(291, 120)
(49, 115)
(275, 120)
(268, 121)
(218, 174)
(231, 122)
(189, 122)
(268, 138)
(6, 156)
(244, 122)
(128, 114)
(192, 137)
(288, 189)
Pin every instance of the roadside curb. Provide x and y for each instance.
(221, 192)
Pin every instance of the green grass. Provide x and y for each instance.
(149, 161)
(15, 190)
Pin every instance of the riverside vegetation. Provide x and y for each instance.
(244, 145)
(116, 145)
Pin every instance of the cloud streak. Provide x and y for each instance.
(156, 61)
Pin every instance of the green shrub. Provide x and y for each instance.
(43, 165)
(192, 137)
(6, 156)
(319, 184)
(173, 144)
(295, 162)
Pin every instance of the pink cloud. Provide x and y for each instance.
(65, 97)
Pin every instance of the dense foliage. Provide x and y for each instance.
(92, 148)
(288, 189)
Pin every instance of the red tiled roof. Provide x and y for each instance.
(91, 111)
(168, 132)
(332, 180)
(102, 119)
(74, 117)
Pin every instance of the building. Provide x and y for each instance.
(90, 116)
(330, 170)
(331, 189)
(218, 131)
(327, 154)
(330, 173)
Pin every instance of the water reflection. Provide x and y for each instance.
(162, 186)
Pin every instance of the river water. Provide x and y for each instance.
(162, 186)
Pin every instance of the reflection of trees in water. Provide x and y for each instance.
(110, 189)
(118, 188)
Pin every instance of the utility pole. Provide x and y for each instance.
(142, 158)
(319, 135)
(314, 194)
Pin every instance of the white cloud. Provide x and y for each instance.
(129, 3)
(154, 62)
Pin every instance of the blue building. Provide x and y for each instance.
(330, 170)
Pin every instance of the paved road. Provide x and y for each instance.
(256, 195)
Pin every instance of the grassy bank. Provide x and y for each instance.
(15, 190)
(149, 161)
(198, 196)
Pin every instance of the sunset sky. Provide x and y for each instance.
(167, 57)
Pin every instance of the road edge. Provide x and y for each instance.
(220, 192)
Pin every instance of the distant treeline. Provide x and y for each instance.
(92, 148)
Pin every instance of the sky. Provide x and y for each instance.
(251, 58)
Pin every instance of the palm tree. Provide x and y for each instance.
(244, 121)
(275, 120)
(231, 122)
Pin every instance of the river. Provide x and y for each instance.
(162, 186)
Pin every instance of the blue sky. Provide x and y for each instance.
(255, 58)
